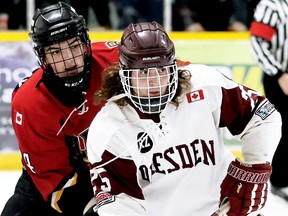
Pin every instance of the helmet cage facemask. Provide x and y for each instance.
(150, 103)
(55, 24)
(40, 50)
(80, 79)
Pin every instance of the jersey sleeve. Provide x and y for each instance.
(113, 172)
(115, 186)
(246, 113)
(44, 155)
(250, 116)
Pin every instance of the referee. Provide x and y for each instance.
(269, 41)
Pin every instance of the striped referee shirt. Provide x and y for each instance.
(269, 36)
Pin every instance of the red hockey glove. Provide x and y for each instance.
(246, 187)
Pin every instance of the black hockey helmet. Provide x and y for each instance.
(57, 23)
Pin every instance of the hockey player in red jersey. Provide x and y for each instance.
(156, 148)
(51, 113)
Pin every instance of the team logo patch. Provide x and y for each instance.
(103, 198)
(18, 118)
(111, 44)
(265, 110)
(144, 142)
(195, 96)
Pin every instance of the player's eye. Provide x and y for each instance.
(55, 52)
(144, 71)
(161, 70)
(75, 46)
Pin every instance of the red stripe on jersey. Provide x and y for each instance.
(262, 30)
(195, 96)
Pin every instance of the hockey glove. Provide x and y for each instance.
(246, 187)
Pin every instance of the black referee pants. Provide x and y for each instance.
(279, 177)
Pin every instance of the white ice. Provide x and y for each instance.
(275, 206)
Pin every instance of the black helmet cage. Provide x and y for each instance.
(57, 23)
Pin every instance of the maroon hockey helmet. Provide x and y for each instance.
(146, 53)
(145, 45)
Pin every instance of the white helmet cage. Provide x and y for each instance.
(148, 69)
(150, 89)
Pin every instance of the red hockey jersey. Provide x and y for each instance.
(41, 122)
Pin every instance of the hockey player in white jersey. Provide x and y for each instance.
(156, 147)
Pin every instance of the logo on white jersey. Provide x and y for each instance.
(265, 110)
(103, 198)
(144, 142)
(18, 118)
(195, 96)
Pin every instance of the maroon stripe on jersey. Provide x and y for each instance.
(121, 175)
(238, 107)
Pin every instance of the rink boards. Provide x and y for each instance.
(230, 52)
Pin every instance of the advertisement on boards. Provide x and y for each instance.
(17, 61)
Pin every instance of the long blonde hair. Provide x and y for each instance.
(111, 85)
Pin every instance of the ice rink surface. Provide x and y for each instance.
(275, 206)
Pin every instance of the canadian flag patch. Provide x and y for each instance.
(18, 119)
(195, 96)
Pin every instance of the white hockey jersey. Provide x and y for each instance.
(176, 166)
